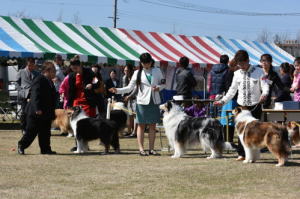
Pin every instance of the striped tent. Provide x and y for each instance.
(43, 39)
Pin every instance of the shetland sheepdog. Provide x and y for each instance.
(255, 135)
(183, 131)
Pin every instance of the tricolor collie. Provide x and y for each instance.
(255, 135)
(183, 131)
(86, 129)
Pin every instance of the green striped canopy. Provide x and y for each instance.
(47, 38)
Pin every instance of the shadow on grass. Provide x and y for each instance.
(288, 164)
(95, 153)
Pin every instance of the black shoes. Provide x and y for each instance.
(20, 150)
(48, 152)
(131, 135)
(152, 152)
(143, 153)
(73, 149)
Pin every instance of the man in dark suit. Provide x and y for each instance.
(112, 82)
(25, 78)
(40, 111)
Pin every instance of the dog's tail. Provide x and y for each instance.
(229, 146)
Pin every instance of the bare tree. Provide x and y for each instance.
(60, 15)
(19, 14)
(76, 18)
(280, 38)
(264, 36)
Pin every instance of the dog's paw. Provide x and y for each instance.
(246, 161)
(279, 165)
(175, 156)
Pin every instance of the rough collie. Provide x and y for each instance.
(86, 129)
(62, 121)
(255, 135)
(183, 131)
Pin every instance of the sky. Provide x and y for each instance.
(145, 16)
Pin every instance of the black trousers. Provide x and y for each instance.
(256, 111)
(230, 133)
(37, 127)
(23, 114)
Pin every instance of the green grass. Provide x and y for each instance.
(128, 175)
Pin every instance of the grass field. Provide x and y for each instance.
(128, 175)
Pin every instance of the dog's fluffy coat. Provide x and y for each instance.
(62, 121)
(255, 135)
(87, 129)
(183, 131)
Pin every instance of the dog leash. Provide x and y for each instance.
(124, 109)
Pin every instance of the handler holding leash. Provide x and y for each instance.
(149, 81)
(252, 90)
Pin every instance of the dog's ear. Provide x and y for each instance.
(70, 112)
(169, 105)
(237, 110)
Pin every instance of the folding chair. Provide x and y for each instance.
(4, 112)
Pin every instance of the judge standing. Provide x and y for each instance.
(40, 111)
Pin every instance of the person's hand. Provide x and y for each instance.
(155, 88)
(126, 99)
(39, 112)
(218, 103)
(292, 90)
(262, 98)
(89, 86)
(112, 90)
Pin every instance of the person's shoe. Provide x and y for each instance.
(73, 149)
(127, 134)
(63, 134)
(240, 158)
(152, 152)
(20, 150)
(48, 152)
(143, 153)
(132, 136)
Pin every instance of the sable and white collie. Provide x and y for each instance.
(255, 135)
(183, 131)
(62, 121)
(107, 130)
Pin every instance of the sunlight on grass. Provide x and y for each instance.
(128, 175)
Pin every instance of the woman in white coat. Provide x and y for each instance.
(149, 81)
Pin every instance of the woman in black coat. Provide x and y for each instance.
(40, 111)
(81, 88)
(273, 80)
(285, 76)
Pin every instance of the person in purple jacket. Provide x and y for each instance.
(196, 110)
